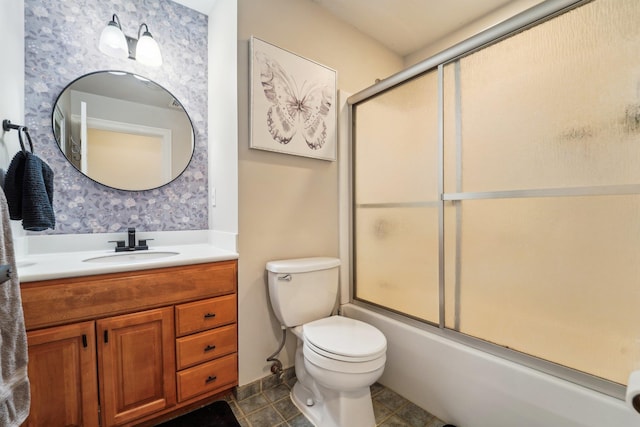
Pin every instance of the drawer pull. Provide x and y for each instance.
(209, 348)
(210, 379)
(209, 315)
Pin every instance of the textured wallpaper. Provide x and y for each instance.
(61, 44)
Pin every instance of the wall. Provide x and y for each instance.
(11, 81)
(288, 205)
(61, 45)
(223, 118)
(11, 76)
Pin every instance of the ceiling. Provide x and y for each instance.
(405, 26)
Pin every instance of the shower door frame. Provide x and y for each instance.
(531, 17)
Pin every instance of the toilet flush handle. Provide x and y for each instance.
(286, 277)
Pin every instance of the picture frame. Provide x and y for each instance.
(293, 103)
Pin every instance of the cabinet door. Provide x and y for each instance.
(136, 364)
(63, 377)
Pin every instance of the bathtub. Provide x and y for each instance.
(471, 388)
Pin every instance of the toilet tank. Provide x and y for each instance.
(304, 289)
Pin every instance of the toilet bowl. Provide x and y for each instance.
(337, 358)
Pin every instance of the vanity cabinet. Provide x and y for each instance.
(136, 365)
(207, 332)
(128, 348)
(62, 374)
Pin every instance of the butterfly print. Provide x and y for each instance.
(294, 109)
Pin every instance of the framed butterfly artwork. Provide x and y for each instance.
(293, 103)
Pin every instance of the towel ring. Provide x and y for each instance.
(24, 129)
(7, 126)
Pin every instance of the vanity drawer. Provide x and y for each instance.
(205, 346)
(207, 314)
(59, 301)
(208, 377)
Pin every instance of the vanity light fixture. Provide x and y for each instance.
(112, 39)
(147, 51)
(115, 43)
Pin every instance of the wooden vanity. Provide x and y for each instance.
(123, 349)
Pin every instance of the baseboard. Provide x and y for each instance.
(265, 383)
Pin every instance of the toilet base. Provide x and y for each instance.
(337, 409)
(299, 397)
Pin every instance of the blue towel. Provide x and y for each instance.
(37, 195)
(13, 182)
(28, 186)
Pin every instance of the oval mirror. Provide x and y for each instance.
(123, 130)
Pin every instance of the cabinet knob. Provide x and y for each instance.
(209, 348)
(210, 379)
(209, 315)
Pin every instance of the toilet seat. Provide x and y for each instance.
(342, 366)
(340, 357)
(344, 339)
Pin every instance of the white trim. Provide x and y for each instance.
(83, 137)
(59, 120)
(135, 129)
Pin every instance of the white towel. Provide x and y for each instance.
(15, 396)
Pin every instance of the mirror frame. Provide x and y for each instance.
(60, 130)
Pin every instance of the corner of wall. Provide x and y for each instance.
(223, 117)
(12, 85)
(469, 30)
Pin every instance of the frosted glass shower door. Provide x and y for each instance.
(396, 199)
(542, 174)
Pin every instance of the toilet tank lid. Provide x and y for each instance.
(302, 265)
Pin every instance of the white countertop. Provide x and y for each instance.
(72, 264)
(49, 264)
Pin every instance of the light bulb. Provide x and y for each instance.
(113, 41)
(147, 50)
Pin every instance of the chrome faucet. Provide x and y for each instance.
(130, 245)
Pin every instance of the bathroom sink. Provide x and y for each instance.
(24, 264)
(128, 257)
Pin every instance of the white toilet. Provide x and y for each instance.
(337, 358)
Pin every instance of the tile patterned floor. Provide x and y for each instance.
(272, 407)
